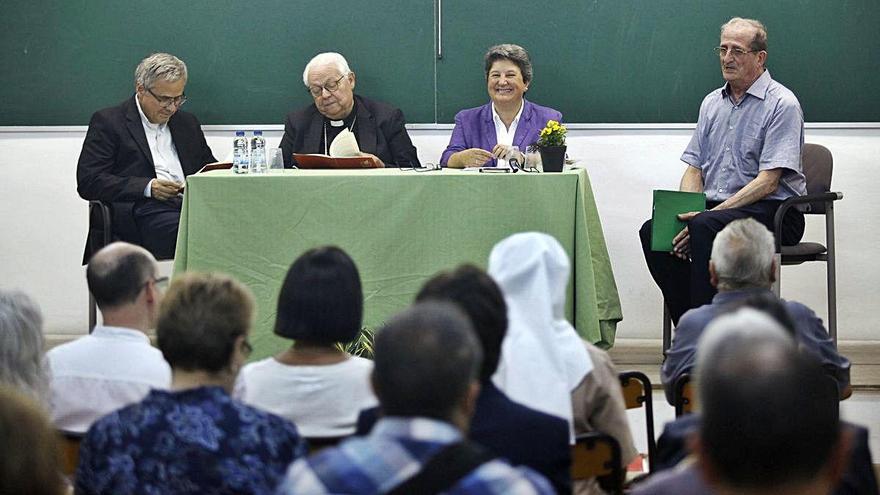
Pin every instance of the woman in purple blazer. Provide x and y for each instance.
(485, 133)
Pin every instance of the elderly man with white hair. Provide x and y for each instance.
(742, 266)
(378, 127)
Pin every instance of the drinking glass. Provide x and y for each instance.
(275, 161)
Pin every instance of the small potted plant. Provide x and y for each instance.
(551, 145)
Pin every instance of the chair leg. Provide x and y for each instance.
(832, 272)
(667, 329)
(93, 312)
(777, 284)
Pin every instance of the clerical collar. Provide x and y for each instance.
(337, 123)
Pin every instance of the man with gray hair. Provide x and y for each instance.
(768, 422)
(115, 365)
(427, 363)
(137, 155)
(742, 265)
(745, 154)
(378, 127)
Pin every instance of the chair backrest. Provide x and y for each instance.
(597, 455)
(683, 395)
(636, 387)
(818, 165)
(68, 445)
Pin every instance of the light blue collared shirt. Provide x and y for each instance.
(733, 142)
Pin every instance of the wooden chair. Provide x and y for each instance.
(68, 446)
(317, 444)
(637, 394)
(683, 395)
(597, 455)
(818, 165)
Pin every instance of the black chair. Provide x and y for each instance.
(818, 165)
(108, 222)
(100, 234)
(637, 394)
(683, 395)
(597, 455)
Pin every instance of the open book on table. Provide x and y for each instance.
(344, 153)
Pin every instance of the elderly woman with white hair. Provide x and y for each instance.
(22, 361)
(544, 364)
(379, 128)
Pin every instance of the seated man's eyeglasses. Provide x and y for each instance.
(168, 101)
(737, 52)
(331, 87)
(161, 283)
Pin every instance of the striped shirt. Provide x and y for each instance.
(396, 450)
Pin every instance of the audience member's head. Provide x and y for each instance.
(22, 364)
(531, 267)
(767, 421)
(474, 291)
(542, 350)
(29, 463)
(768, 303)
(742, 256)
(203, 324)
(427, 363)
(321, 299)
(123, 279)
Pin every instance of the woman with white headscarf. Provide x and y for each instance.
(544, 364)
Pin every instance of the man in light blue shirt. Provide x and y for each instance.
(745, 154)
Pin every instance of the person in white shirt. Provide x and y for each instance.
(115, 365)
(318, 386)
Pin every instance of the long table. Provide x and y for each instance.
(400, 227)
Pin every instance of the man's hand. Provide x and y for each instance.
(472, 157)
(681, 242)
(163, 190)
(376, 160)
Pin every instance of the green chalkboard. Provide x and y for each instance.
(652, 60)
(625, 61)
(64, 59)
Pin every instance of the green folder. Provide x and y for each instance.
(665, 224)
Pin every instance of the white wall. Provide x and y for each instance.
(44, 222)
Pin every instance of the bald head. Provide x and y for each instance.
(117, 274)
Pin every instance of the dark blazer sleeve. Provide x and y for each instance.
(287, 140)
(204, 154)
(400, 146)
(98, 174)
(189, 140)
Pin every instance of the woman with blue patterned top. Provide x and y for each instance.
(193, 438)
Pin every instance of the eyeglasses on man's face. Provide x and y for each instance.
(331, 87)
(161, 283)
(737, 52)
(168, 101)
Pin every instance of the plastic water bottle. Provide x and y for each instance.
(240, 153)
(258, 153)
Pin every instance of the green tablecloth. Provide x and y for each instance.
(400, 227)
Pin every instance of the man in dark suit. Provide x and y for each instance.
(137, 155)
(379, 128)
